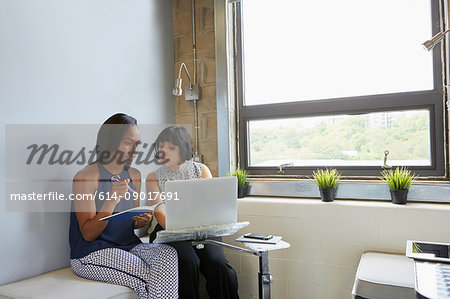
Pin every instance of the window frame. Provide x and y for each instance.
(433, 100)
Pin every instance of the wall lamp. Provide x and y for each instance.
(192, 91)
(429, 44)
(192, 94)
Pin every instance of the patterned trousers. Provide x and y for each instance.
(151, 270)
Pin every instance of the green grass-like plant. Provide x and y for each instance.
(241, 176)
(326, 178)
(399, 179)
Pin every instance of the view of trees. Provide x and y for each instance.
(405, 135)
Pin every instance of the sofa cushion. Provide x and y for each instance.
(64, 283)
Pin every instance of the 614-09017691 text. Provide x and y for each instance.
(58, 196)
(140, 196)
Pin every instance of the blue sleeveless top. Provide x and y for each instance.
(117, 234)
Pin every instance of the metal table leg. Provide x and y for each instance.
(264, 277)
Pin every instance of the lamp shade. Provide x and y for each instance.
(177, 90)
(429, 44)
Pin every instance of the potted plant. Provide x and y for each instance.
(327, 180)
(242, 182)
(399, 182)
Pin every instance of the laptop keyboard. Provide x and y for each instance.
(443, 280)
(433, 279)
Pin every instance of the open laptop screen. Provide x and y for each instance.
(430, 251)
(201, 202)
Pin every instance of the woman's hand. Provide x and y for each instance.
(119, 189)
(142, 220)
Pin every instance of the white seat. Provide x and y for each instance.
(384, 276)
(64, 283)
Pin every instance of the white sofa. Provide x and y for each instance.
(63, 283)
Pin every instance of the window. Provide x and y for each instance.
(336, 84)
(341, 140)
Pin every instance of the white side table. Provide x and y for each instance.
(260, 250)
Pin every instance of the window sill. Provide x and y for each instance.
(373, 191)
(345, 203)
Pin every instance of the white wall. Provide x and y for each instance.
(75, 62)
(327, 241)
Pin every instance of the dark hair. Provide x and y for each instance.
(179, 136)
(110, 135)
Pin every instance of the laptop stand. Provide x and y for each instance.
(262, 252)
(199, 236)
(199, 233)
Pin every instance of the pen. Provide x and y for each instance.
(116, 178)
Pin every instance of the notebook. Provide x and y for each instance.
(127, 214)
(201, 202)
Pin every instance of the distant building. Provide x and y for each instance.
(380, 120)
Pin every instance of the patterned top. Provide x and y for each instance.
(189, 170)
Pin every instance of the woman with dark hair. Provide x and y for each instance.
(174, 150)
(109, 251)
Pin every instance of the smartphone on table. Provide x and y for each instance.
(258, 236)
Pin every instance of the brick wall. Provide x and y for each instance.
(206, 73)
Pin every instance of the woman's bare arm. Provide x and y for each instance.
(206, 173)
(153, 191)
(136, 178)
(141, 220)
(85, 183)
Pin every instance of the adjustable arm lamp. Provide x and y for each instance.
(429, 44)
(192, 91)
(192, 94)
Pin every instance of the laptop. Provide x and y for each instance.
(201, 202)
(428, 251)
(431, 268)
